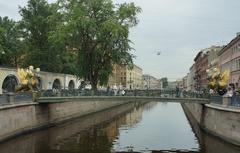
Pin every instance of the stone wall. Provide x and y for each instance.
(223, 122)
(37, 142)
(47, 78)
(212, 144)
(21, 118)
(196, 110)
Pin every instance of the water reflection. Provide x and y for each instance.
(163, 127)
(150, 128)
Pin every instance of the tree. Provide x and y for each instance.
(98, 31)
(11, 50)
(164, 82)
(37, 25)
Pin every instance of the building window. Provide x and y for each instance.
(238, 64)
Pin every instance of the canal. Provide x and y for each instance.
(149, 128)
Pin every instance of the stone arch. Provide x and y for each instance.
(56, 84)
(9, 83)
(71, 85)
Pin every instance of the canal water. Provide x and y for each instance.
(148, 128)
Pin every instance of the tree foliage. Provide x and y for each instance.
(36, 27)
(10, 42)
(82, 37)
(98, 31)
(164, 82)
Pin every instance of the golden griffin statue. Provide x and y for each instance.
(28, 79)
(219, 81)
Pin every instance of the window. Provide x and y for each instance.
(238, 64)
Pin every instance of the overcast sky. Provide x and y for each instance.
(176, 28)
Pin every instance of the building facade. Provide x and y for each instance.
(126, 78)
(172, 85)
(150, 82)
(229, 59)
(134, 78)
(191, 80)
(185, 82)
(213, 58)
(201, 65)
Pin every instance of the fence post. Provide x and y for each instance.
(226, 101)
(10, 98)
(35, 96)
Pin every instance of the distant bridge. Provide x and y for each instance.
(43, 100)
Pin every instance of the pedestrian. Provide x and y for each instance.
(123, 92)
(115, 90)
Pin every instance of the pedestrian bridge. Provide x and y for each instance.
(43, 100)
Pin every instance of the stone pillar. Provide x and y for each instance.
(10, 98)
(226, 101)
(35, 96)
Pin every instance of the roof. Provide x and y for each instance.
(198, 55)
(232, 42)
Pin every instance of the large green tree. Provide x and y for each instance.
(98, 31)
(37, 25)
(11, 49)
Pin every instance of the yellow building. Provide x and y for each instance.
(126, 78)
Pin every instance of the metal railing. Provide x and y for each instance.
(3, 99)
(13, 98)
(23, 97)
(235, 101)
(216, 99)
(151, 93)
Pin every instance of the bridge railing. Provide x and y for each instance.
(23, 97)
(216, 99)
(232, 101)
(235, 101)
(151, 93)
(14, 98)
(3, 99)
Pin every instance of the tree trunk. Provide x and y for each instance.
(94, 80)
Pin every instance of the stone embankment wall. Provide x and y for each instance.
(22, 118)
(223, 122)
(55, 136)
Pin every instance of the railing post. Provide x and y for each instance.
(35, 96)
(226, 101)
(10, 98)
